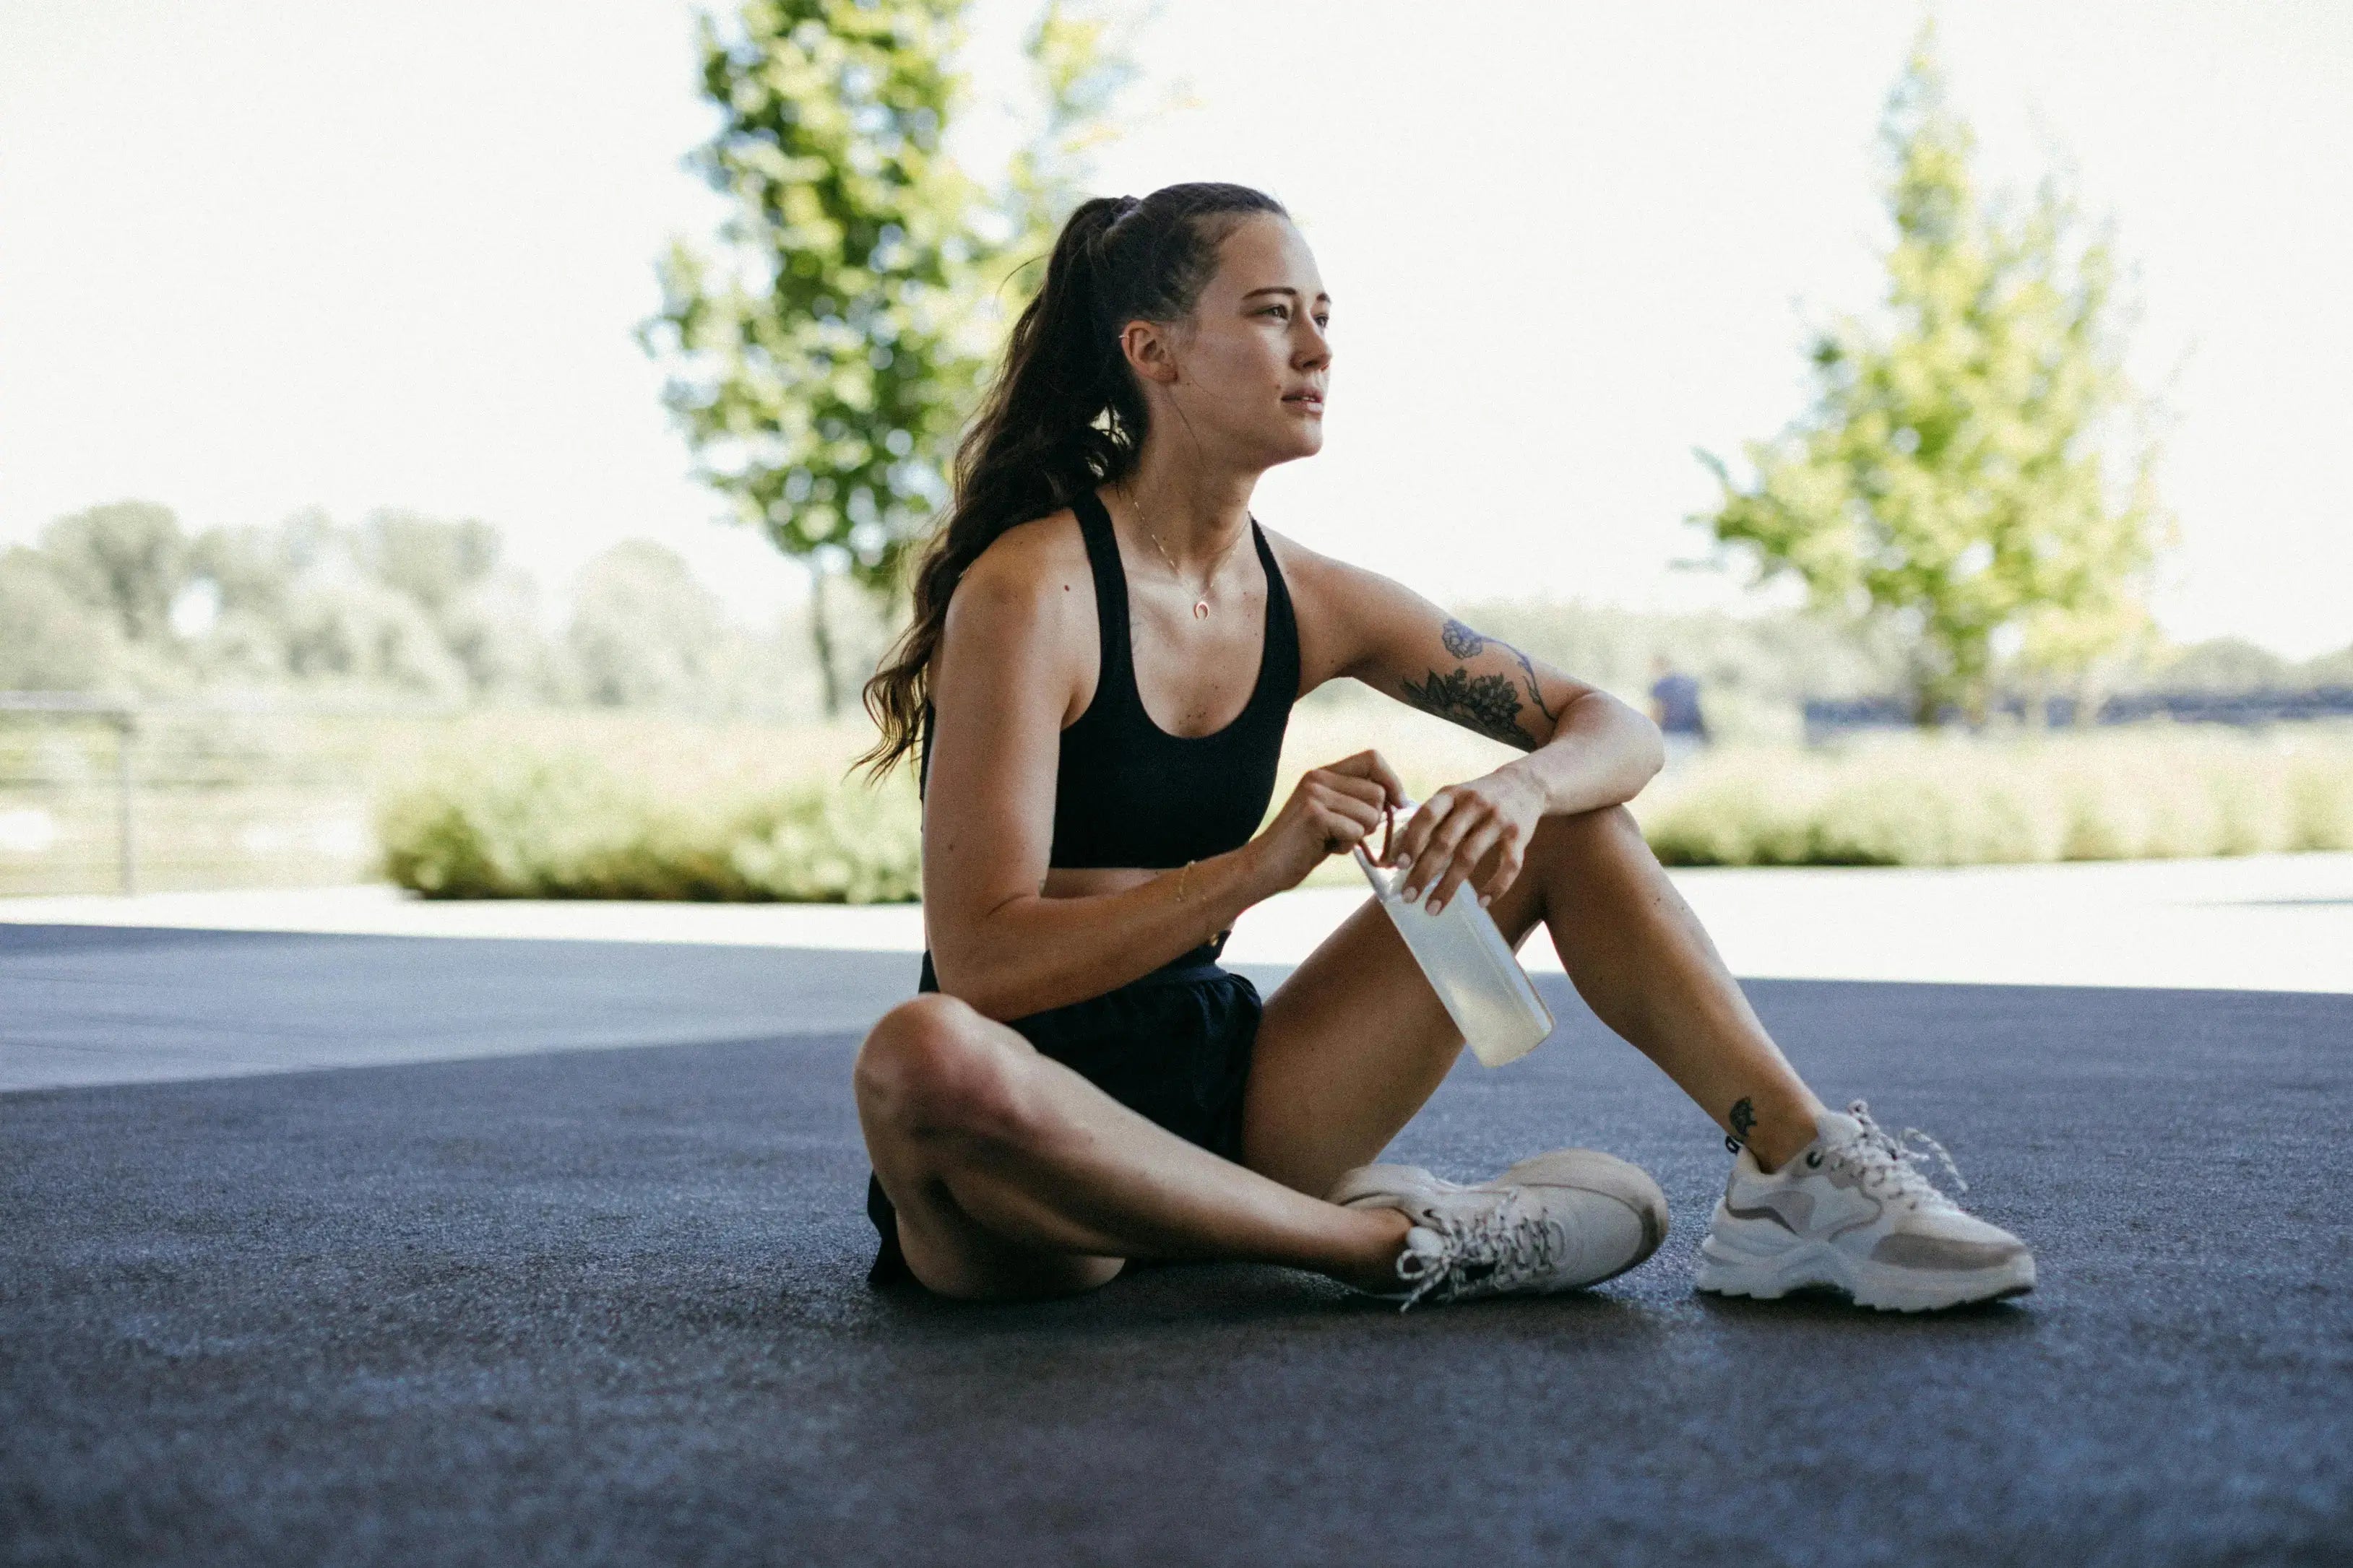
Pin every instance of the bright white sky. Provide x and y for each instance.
(261, 254)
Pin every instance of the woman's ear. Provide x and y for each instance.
(1150, 351)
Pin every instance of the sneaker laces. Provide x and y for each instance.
(1514, 1247)
(1888, 1163)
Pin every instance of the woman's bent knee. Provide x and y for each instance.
(931, 1065)
(1606, 830)
(1605, 821)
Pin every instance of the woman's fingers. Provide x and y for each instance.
(1509, 857)
(1473, 831)
(1370, 791)
(1386, 776)
(1412, 848)
(1467, 852)
(1345, 817)
(1371, 764)
(1360, 800)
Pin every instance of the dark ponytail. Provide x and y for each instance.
(1064, 413)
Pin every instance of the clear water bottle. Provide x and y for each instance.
(1469, 963)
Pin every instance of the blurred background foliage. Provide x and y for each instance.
(562, 820)
(551, 818)
(397, 608)
(1967, 505)
(827, 346)
(1976, 474)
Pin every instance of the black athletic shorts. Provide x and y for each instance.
(1173, 1045)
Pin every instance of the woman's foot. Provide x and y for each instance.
(1852, 1211)
(1556, 1222)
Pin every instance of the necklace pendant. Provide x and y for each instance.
(1200, 609)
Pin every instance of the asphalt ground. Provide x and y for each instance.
(608, 1305)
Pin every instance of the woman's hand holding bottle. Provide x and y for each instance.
(1330, 809)
(1485, 821)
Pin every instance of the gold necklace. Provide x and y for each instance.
(1200, 605)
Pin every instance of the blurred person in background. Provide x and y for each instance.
(1094, 685)
(1674, 709)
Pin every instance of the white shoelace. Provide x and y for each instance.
(1522, 1248)
(1890, 1166)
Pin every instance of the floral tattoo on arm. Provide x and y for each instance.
(1487, 703)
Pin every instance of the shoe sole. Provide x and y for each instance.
(1726, 1270)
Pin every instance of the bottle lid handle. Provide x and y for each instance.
(1384, 883)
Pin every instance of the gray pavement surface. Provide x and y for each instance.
(84, 1004)
(607, 1305)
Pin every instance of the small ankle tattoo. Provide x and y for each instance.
(1743, 1116)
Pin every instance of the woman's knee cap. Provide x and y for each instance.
(1609, 826)
(928, 1064)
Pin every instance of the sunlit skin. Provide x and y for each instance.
(1015, 1176)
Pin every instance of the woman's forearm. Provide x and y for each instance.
(1033, 953)
(1601, 753)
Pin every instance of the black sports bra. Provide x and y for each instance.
(1126, 792)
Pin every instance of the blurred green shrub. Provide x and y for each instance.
(707, 814)
(1953, 800)
(562, 824)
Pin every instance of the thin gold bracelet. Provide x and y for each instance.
(1180, 880)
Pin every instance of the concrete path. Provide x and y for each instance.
(88, 1004)
(2272, 923)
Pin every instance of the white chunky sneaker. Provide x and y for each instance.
(1854, 1211)
(1556, 1222)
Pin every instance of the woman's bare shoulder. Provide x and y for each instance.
(1323, 585)
(1341, 608)
(1031, 582)
(1296, 560)
(1037, 556)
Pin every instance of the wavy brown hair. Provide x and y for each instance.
(1064, 413)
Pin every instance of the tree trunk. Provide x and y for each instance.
(821, 634)
(1976, 703)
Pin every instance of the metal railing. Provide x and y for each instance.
(102, 794)
(2245, 709)
(124, 719)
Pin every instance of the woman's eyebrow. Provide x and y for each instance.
(1281, 288)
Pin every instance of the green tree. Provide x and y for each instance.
(434, 561)
(484, 614)
(1977, 475)
(128, 559)
(644, 632)
(51, 639)
(828, 350)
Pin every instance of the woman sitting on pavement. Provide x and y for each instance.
(1104, 652)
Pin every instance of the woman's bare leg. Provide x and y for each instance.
(1015, 1176)
(1356, 1041)
(1645, 965)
